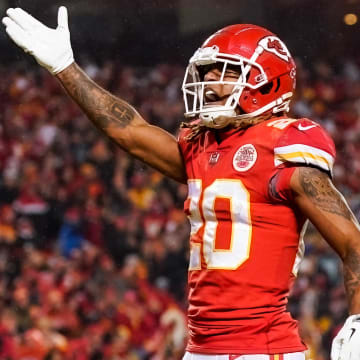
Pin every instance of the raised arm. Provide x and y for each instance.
(326, 208)
(114, 117)
(123, 124)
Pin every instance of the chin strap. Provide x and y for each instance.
(281, 104)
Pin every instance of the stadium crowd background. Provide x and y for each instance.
(94, 245)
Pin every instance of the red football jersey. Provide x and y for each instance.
(245, 244)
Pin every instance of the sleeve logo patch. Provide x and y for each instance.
(244, 158)
(274, 45)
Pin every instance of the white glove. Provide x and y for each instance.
(50, 47)
(346, 344)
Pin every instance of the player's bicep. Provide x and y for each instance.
(319, 200)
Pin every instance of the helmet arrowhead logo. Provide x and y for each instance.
(274, 45)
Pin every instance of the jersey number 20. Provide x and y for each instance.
(239, 210)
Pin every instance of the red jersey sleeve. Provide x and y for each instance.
(305, 142)
(279, 185)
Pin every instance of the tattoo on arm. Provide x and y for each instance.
(105, 110)
(317, 186)
(352, 273)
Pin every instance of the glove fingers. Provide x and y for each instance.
(7, 21)
(346, 353)
(23, 19)
(29, 20)
(335, 351)
(17, 34)
(63, 18)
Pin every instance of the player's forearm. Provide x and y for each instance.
(327, 209)
(109, 114)
(352, 278)
(120, 122)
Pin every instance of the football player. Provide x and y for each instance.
(255, 177)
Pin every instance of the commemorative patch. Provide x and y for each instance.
(245, 157)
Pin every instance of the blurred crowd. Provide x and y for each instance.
(94, 245)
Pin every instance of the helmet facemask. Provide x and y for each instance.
(194, 87)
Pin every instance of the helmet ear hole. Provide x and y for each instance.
(266, 88)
